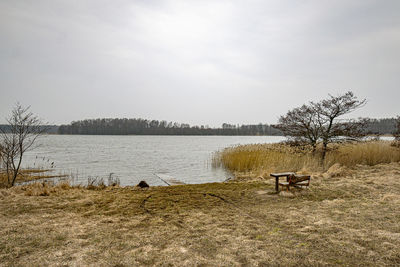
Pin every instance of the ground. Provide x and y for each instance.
(347, 217)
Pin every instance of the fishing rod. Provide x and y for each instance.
(161, 178)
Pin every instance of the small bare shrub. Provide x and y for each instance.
(113, 181)
(95, 183)
(23, 130)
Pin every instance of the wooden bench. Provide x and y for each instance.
(292, 179)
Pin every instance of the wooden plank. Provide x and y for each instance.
(175, 182)
(302, 176)
(281, 174)
(302, 183)
(168, 179)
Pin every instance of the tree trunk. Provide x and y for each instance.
(8, 170)
(324, 149)
(314, 148)
(16, 169)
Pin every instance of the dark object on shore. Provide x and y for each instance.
(143, 184)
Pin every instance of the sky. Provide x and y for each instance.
(198, 62)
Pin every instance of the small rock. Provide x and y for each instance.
(143, 184)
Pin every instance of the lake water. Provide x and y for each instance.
(135, 158)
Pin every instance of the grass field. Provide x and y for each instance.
(349, 217)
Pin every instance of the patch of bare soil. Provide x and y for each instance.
(347, 218)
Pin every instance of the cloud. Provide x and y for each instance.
(203, 62)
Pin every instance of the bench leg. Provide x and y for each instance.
(286, 187)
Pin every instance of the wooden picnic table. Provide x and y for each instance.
(278, 175)
(292, 179)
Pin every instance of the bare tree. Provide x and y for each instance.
(318, 121)
(329, 110)
(301, 125)
(20, 135)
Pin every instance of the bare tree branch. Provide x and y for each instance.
(318, 121)
(23, 130)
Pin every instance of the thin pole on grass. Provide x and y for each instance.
(161, 178)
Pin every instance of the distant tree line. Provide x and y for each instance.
(382, 126)
(50, 129)
(375, 126)
(154, 127)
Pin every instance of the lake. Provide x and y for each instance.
(135, 158)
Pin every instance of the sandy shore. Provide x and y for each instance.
(347, 217)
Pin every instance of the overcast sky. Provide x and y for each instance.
(198, 62)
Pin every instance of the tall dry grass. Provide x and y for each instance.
(28, 175)
(263, 158)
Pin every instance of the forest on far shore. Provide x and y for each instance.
(109, 126)
(154, 127)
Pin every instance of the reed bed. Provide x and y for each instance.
(28, 175)
(264, 158)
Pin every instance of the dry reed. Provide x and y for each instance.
(28, 175)
(264, 158)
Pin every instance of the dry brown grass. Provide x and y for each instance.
(262, 159)
(348, 218)
(27, 175)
